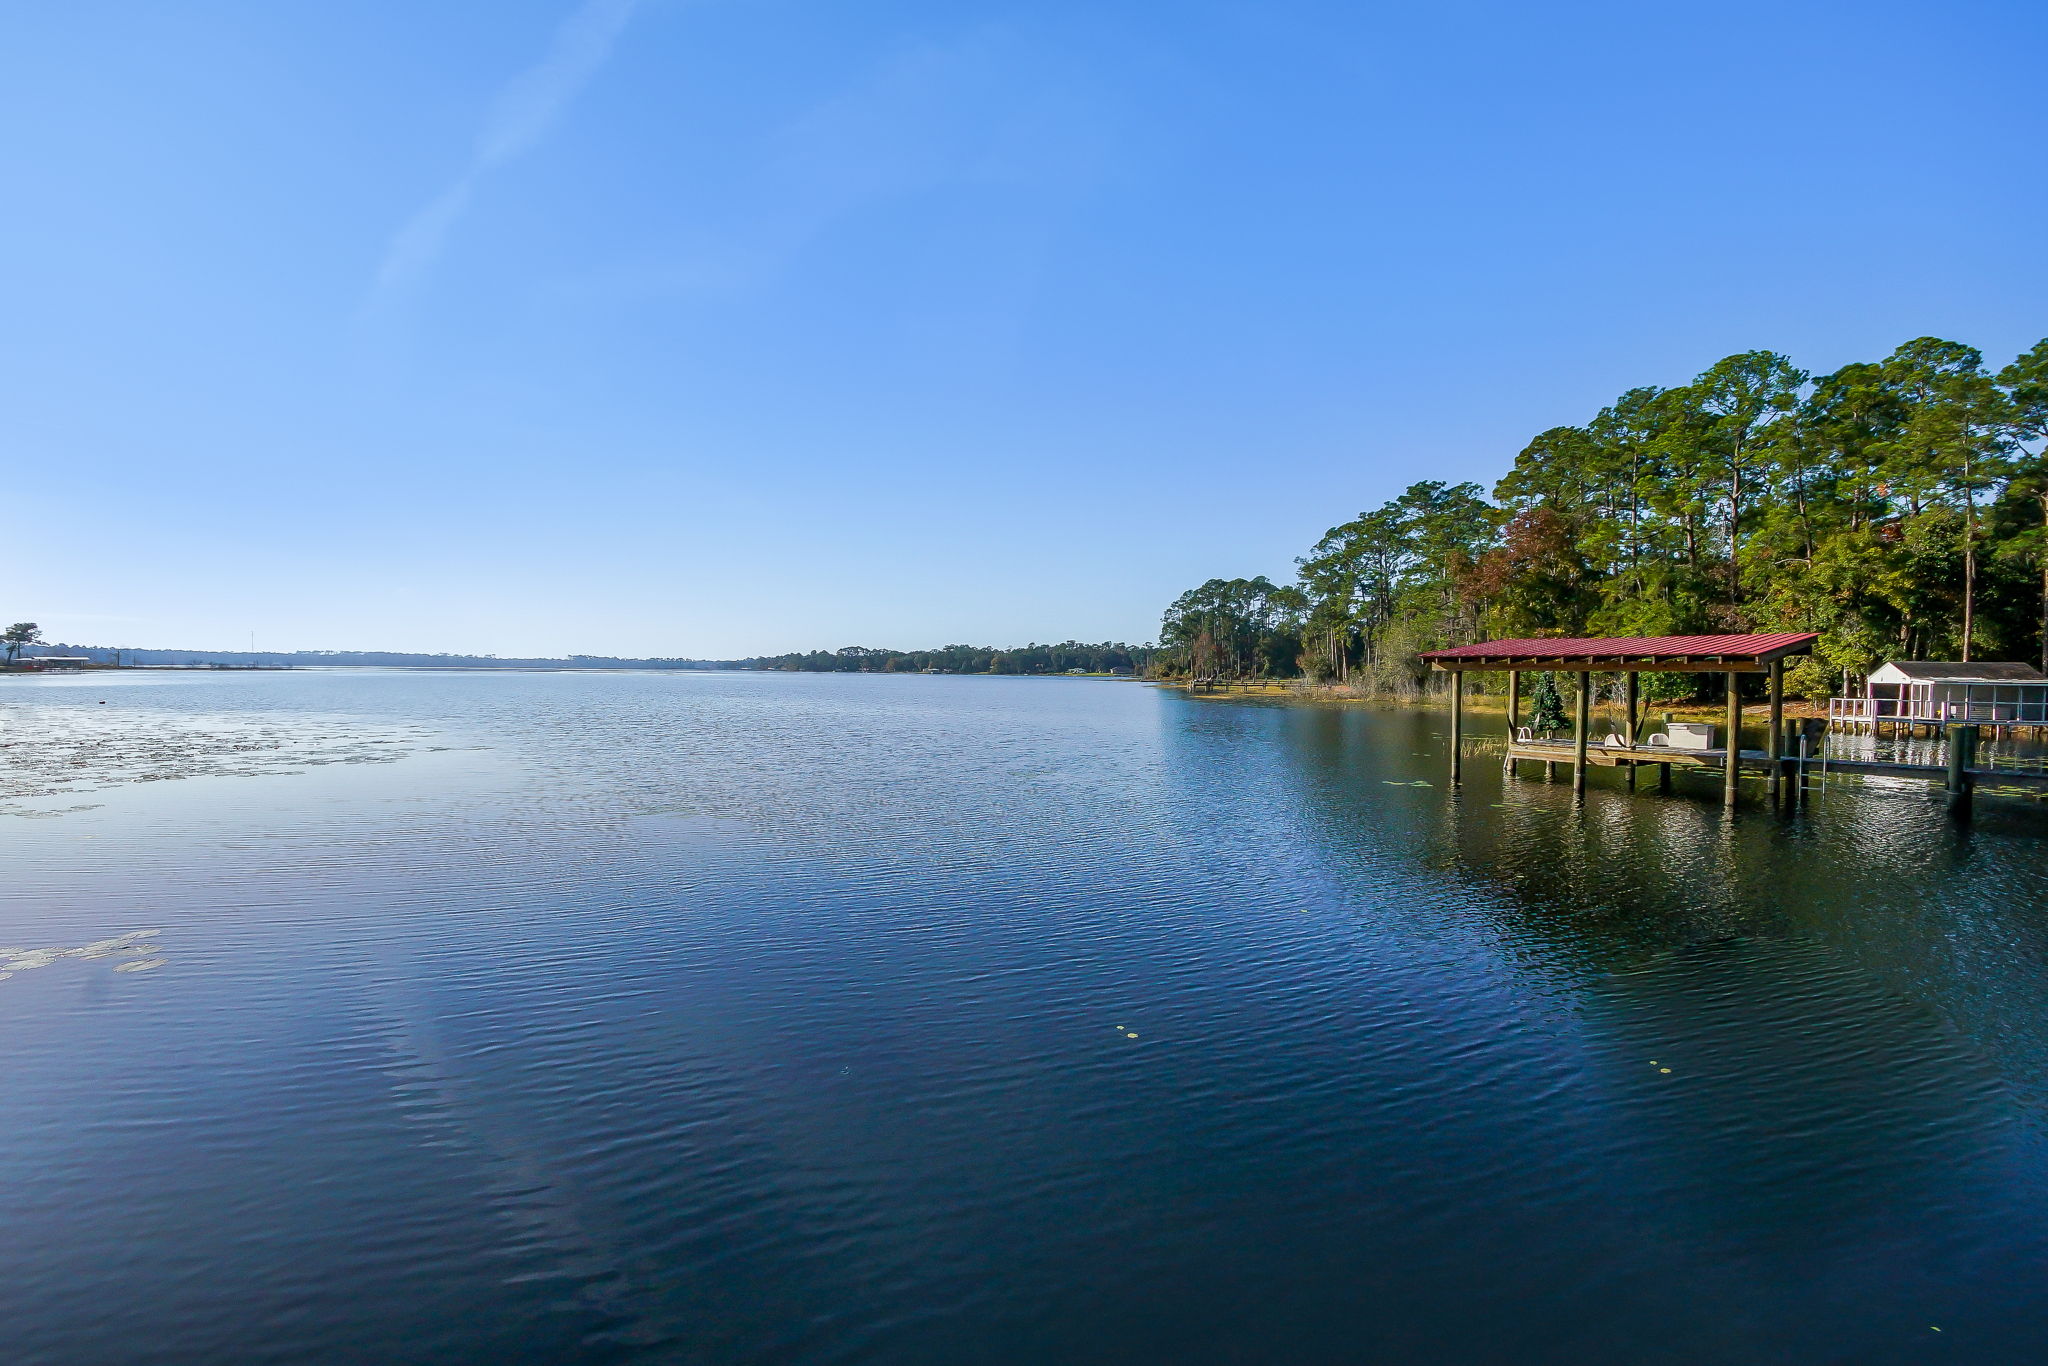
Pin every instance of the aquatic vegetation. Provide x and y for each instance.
(137, 945)
(59, 751)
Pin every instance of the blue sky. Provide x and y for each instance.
(710, 327)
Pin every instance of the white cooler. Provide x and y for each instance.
(1689, 734)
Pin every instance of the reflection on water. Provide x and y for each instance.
(1996, 749)
(680, 1018)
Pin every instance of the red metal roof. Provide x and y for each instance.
(1759, 647)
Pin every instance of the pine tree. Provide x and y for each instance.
(1546, 706)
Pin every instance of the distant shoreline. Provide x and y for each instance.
(1068, 658)
(27, 669)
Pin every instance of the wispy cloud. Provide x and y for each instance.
(522, 115)
(983, 117)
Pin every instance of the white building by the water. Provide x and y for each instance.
(1934, 692)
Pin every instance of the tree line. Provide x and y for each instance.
(1067, 657)
(1898, 507)
(390, 659)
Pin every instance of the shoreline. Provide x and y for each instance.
(1287, 691)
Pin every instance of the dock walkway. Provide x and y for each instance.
(1759, 763)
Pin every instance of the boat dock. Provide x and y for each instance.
(1789, 762)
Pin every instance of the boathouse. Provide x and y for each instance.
(49, 664)
(1933, 693)
(1732, 655)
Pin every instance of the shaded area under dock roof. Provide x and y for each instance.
(1629, 654)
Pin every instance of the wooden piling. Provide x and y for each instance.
(1581, 722)
(1773, 747)
(1457, 727)
(1730, 773)
(1634, 700)
(1549, 766)
(1514, 712)
(1962, 757)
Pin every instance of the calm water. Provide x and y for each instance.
(743, 1018)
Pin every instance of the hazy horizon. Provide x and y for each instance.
(704, 330)
(52, 643)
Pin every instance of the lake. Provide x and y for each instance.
(713, 1017)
